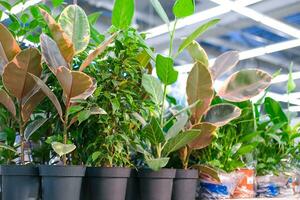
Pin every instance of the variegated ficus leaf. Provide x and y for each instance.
(62, 40)
(206, 136)
(9, 47)
(62, 149)
(15, 76)
(224, 63)
(221, 114)
(199, 87)
(75, 24)
(87, 93)
(244, 85)
(198, 53)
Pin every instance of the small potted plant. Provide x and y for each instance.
(20, 89)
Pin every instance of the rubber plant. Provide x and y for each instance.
(20, 88)
(71, 36)
(239, 87)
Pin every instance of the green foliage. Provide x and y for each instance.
(122, 14)
(160, 11)
(184, 8)
(165, 70)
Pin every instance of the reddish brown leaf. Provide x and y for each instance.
(8, 42)
(206, 136)
(31, 104)
(7, 102)
(15, 76)
(3, 59)
(61, 38)
(96, 53)
(87, 93)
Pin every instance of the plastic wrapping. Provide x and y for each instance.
(245, 187)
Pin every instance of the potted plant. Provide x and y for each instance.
(20, 90)
(71, 36)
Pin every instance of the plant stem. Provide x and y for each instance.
(172, 34)
(21, 132)
(65, 134)
(163, 107)
(254, 117)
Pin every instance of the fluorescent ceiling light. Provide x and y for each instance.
(17, 9)
(197, 17)
(259, 17)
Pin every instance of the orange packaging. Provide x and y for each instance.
(245, 187)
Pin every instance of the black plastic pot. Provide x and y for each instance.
(156, 185)
(106, 183)
(61, 182)
(20, 182)
(185, 185)
(132, 191)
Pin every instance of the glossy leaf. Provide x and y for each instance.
(274, 111)
(3, 59)
(51, 53)
(75, 24)
(160, 10)
(180, 140)
(74, 83)
(153, 87)
(244, 85)
(224, 63)
(184, 8)
(62, 149)
(49, 94)
(8, 42)
(199, 31)
(165, 70)
(122, 14)
(198, 53)
(7, 102)
(62, 40)
(291, 85)
(15, 77)
(221, 114)
(89, 92)
(157, 163)
(177, 126)
(199, 87)
(206, 136)
(153, 132)
(96, 53)
(33, 127)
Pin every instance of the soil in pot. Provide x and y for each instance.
(61, 182)
(20, 182)
(106, 183)
(132, 191)
(156, 185)
(185, 184)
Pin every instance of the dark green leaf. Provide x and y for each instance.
(6, 5)
(74, 109)
(274, 110)
(153, 132)
(33, 127)
(84, 115)
(165, 70)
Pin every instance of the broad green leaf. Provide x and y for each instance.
(199, 86)
(245, 84)
(62, 149)
(9, 44)
(15, 77)
(160, 10)
(62, 40)
(6, 5)
(274, 111)
(180, 140)
(245, 149)
(198, 53)
(122, 14)
(93, 18)
(157, 163)
(51, 53)
(33, 127)
(7, 102)
(5, 146)
(184, 8)
(206, 136)
(75, 24)
(224, 63)
(49, 94)
(153, 87)
(199, 31)
(291, 85)
(57, 3)
(74, 109)
(221, 114)
(84, 115)
(177, 126)
(165, 70)
(153, 132)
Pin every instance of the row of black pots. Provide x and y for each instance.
(80, 183)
